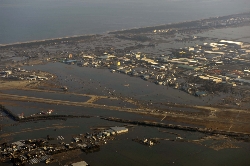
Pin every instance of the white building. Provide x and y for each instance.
(236, 44)
(119, 130)
(81, 163)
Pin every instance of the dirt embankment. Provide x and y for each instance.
(6, 84)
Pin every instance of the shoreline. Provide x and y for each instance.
(146, 29)
(60, 39)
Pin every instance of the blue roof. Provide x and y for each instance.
(200, 93)
(68, 61)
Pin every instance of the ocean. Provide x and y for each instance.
(29, 20)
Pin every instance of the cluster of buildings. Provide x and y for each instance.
(217, 62)
(98, 137)
(25, 151)
(41, 150)
(21, 74)
(227, 21)
(220, 61)
(218, 22)
(223, 62)
(211, 54)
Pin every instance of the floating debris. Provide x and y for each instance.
(145, 141)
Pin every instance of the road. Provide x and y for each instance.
(211, 117)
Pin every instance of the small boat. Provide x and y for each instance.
(65, 88)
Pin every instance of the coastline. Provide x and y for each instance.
(77, 92)
(172, 25)
(36, 42)
(147, 29)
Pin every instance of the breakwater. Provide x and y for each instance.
(9, 113)
(14, 117)
(236, 135)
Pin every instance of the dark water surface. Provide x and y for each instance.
(121, 151)
(41, 19)
(103, 82)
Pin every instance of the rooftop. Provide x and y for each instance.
(81, 163)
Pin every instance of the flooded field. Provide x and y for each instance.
(176, 147)
(178, 152)
(103, 82)
(237, 33)
(54, 96)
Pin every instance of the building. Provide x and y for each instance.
(187, 67)
(106, 56)
(119, 130)
(200, 93)
(70, 62)
(232, 43)
(138, 55)
(111, 132)
(149, 61)
(81, 163)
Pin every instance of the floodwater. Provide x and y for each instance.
(235, 34)
(122, 150)
(54, 96)
(103, 82)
